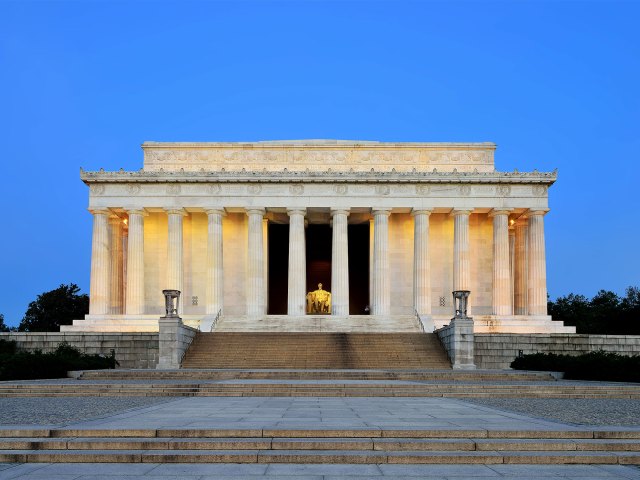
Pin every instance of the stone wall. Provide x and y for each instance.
(458, 340)
(498, 350)
(133, 350)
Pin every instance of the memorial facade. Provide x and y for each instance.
(247, 231)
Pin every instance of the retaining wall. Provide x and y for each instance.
(133, 350)
(498, 350)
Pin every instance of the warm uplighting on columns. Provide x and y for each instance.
(256, 298)
(135, 263)
(421, 261)
(381, 298)
(521, 267)
(117, 268)
(537, 275)
(175, 261)
(100, 286)
(340, 263)
(501, 264)
(215, 278)
(297, 285)
(461, 255)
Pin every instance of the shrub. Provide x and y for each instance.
(33, 365)
(598, 365)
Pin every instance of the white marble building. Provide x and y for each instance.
(236, 227)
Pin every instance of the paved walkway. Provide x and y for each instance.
(315, 412)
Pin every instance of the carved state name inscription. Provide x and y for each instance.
(420, 159)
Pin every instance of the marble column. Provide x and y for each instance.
(215, 278)
(501, 265)
(256, 298)
(135, 263)
(380, 301)
(340, 263)
(175, 254)
(537, 274)
(512, 261)
(521, 267)
(461, 257)
(421, 262)
(99, 290)
(117, 270)
(297, 285)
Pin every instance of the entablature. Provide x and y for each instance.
(328, 176)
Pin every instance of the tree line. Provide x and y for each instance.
(605, 313)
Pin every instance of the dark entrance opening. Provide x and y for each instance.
(358, 268)
(318, 242)
(318, 239)
(278, 268)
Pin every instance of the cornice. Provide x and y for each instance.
(328, 176)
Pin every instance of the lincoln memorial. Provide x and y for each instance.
(318, 235)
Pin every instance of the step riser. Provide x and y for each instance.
(320, 458)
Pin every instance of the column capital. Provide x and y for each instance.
(296, 211)
(500, 211)
(532, 212)
(256, 211)
(461, 211)
(386, 211)
(136, 211)
(115, 219)
(100, 211)
(338, 211)
(215, 211)
(175, 211)
(421, 211)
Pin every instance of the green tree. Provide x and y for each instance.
(54, 308)
(4, 327)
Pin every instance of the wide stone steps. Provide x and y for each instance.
(318, 388)
(316, 351)
(320, 323)
(321, 446)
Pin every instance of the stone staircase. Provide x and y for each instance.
(316, 351)
(320, 323)
(317, 446)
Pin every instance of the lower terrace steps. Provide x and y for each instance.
(316, 351)
(318, 383)
(377, 446)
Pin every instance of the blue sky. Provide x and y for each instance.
(84, 83)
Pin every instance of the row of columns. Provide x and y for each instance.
(519, 271)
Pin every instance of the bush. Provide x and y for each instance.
(598, 365)
(36, 365)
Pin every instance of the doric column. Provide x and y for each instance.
(297, 263)
(512, 261)
(521, 267)
(380, 301)
(461, 261)
(117, 291)
(421, 262)
(537, 275)
(340, 263)
(175, 261)
(135, 263)
(215, 278)
(99, 291)
(255, 268)
(501, 264)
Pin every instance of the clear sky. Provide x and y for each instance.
(84, 83)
